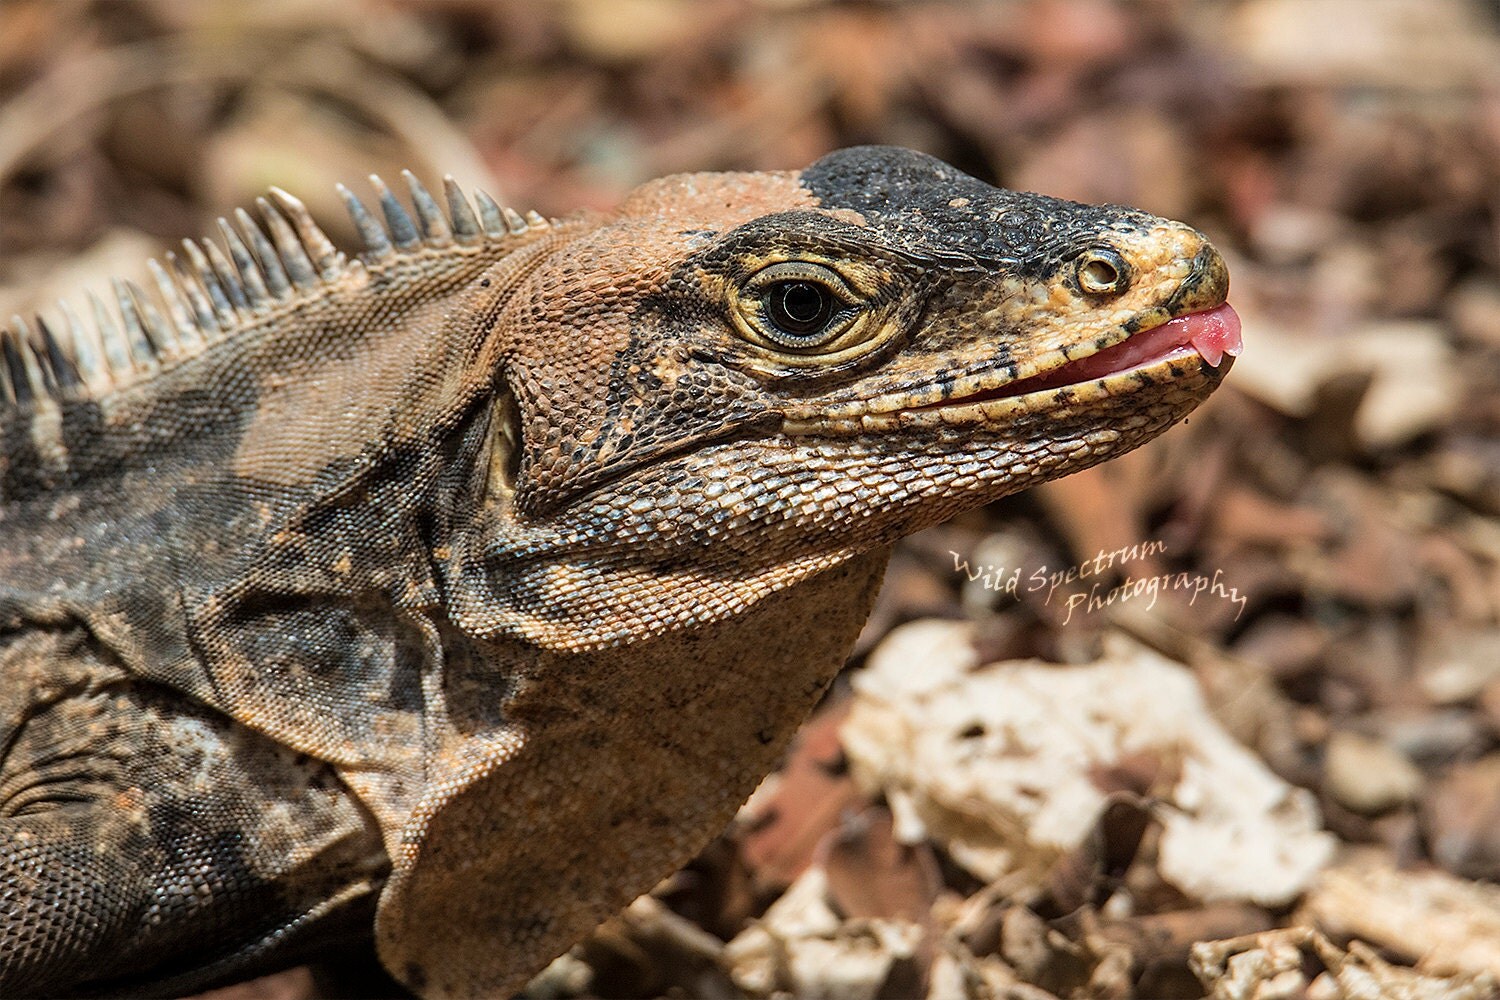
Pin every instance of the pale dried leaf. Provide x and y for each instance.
(1414, 388)
(1274, 964)
(1368, 775)
(1436, 44)
(1000, 765)
(1445, 924)
(801, 946)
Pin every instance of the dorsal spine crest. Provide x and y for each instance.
(209, 293)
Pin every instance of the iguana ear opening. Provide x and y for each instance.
(504, 448)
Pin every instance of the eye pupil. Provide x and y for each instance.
(799, 307)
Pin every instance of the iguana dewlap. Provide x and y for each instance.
(463, 589)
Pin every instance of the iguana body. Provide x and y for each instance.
(470, 585)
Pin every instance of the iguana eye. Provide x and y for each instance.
(798, 306)
(1101, 271)
(800, 309)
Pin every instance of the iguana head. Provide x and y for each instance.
(741, 379)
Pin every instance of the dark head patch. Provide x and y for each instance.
(922, 201)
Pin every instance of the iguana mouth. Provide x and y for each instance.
(1211, 334)
(1208, 335)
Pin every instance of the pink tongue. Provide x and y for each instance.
(1214, 333)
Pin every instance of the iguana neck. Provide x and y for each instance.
(698, 715)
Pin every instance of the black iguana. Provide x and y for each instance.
(458, 591)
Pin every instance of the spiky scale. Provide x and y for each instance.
(162, 336)
(88, 349)
(59, 353)
(490, 214)
(211, 280)
(182, 327)
(244, 289)
(29, 382)
(429, 216)
(116, 346)
(34, 367)
(377, 242)
(189, 280)
(20, 331)
(402, 229)
(207, 291)
(513, 221)
(465, 225)
(270, 261)
(288, 248)
(325, 256)
(535, 220)
(7, 391)
(17, 388)
(144, 343)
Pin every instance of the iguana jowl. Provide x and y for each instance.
(465, 588)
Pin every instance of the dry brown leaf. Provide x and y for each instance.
(1461, 817)
(871, 875)
(811, 793)
(1436, 44)
(1415, 385)
(801, 946)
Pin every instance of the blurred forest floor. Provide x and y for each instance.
(1300, 762)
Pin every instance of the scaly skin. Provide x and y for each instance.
(471, 585)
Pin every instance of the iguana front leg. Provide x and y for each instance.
(147, 836)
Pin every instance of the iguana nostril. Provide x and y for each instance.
(1206, 284)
